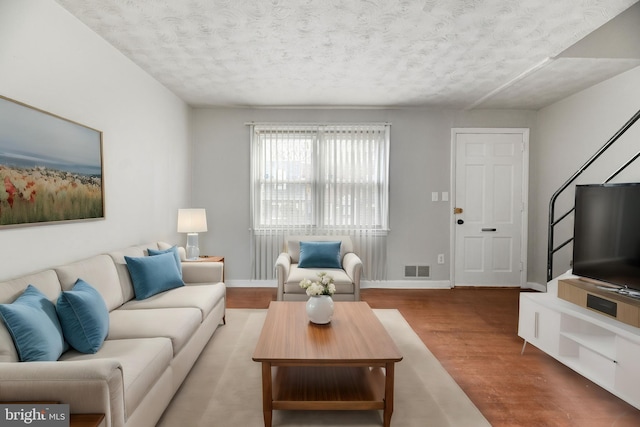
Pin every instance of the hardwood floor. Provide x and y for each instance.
(473, 333)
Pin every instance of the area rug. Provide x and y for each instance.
(224, 388)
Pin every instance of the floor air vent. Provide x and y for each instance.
(416, 271)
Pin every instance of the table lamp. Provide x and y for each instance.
(192, 222)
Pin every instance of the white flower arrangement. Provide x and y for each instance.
(323, 286)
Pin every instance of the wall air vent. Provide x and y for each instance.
(416, 271)
(410, 271)
(423, 271)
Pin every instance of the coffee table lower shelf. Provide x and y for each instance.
(328, 388)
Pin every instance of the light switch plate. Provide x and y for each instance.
(434, 196)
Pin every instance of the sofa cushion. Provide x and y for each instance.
(100, 272)
(172, 250)
(152, 275)
(33, 324)
(182, 253)
(343, 282)
(123, 271)
(84, 317)
(320, 255)
(143, 362)
(177, 324)
(203, 297)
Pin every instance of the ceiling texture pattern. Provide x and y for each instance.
(358, 53)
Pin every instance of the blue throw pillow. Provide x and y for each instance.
(153, 274)
(173, 250)
(84, 317)
(320, 255)
(33, 324)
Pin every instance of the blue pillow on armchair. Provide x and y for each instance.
(320, 255)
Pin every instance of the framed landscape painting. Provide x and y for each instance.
(50, 168)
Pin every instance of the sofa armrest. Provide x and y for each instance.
(202, 272)
(283, 265)
(88, 386)
(182, 252)
(352, 265)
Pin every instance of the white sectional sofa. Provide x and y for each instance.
(151, 344)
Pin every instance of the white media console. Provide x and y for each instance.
(597, 346)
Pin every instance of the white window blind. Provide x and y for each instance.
(320, 179)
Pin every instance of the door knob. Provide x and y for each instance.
(460, 221)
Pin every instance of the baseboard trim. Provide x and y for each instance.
(375, 284)
(535, 287)
(365, 284)
(405, 284)
(251, 283)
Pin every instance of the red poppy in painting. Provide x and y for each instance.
(10, 189)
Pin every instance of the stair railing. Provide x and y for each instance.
(551, 250)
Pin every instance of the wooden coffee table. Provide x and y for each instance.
(347, 364)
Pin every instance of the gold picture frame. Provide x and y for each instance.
(51, 168)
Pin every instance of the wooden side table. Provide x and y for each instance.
(210, 258)
(87, 420)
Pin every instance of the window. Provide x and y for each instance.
(285, 189)
(319, 179)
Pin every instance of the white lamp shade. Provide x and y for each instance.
(192, 220)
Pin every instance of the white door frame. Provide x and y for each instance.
(525, 197)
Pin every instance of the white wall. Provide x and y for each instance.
(420, 163)
(50, 60)
(569, 133)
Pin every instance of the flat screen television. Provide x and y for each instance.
(606, 244)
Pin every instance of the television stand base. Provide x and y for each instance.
(609, 301)
(595, 345)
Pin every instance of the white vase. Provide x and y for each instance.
(320, 309)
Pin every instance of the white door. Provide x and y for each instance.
(490, 194)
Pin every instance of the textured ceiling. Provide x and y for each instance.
(364, 53)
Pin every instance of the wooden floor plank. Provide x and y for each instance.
(473, 333)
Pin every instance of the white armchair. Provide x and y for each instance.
(346, 279)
